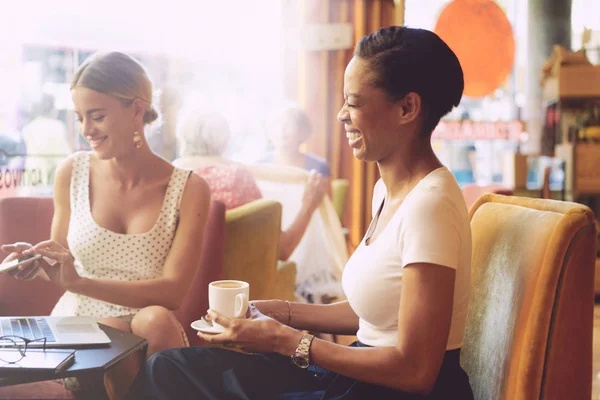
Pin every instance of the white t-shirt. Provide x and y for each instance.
(430, 226)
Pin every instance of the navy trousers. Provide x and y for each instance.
(204, 373)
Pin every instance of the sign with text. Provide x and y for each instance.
(15, 177)
(27, 174)
(479, 130)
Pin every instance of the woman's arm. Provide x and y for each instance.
(59, 228)
(180, 265)
(289, 239)
(424, 322)
(337, 318)
(314, 192)
(62, 202)
(62, 209)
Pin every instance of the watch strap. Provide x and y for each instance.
(303, 350)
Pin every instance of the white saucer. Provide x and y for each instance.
(203, 326)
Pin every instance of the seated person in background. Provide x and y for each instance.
(289, 128)
(126, 222)
(203, 138)
(47, 144)
(321, 254)
(407, 283)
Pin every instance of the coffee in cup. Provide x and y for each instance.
(229, 298)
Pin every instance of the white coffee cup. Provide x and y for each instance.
(229, 298)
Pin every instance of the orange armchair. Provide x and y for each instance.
(530, 320)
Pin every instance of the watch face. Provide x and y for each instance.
(300, 362)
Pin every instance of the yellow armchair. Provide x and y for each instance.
(339, 195)
(530, 320)
(252, 251)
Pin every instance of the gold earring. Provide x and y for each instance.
(137, 140)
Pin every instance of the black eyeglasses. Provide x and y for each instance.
(13, 348)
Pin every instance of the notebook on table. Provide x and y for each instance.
(58, 331)
(56, 360)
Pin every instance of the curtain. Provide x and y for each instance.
(316, 79)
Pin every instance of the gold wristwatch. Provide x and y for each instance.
(301, 357)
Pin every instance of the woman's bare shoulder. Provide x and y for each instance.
(64, 170)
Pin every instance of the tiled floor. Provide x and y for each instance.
(596, 360)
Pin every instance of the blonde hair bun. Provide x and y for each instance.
(150, 115)
(119, 75)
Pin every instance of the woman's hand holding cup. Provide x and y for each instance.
(229, 299)
(257, 333)
(243, 326)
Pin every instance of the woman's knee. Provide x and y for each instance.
(153, 321)
(116, 323)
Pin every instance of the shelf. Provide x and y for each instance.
(587, 167)
(575, 82)
(582, 164)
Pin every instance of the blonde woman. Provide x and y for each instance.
(126, 223)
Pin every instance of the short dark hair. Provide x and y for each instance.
(408, 60)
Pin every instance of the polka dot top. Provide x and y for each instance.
(102, 254)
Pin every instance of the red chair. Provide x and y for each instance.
(26, 219)
(29, 219)
(195, 303)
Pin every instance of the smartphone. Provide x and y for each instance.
(10, 265)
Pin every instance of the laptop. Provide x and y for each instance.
(58, 331)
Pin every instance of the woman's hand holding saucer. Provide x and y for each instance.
(256, 333)
(279, 310)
